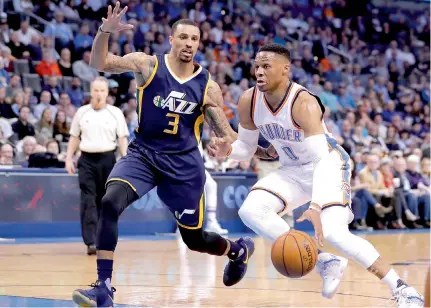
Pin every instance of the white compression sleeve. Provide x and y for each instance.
(245, 146)
(317, 147)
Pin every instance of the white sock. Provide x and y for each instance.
(211, 215)
(392, 280)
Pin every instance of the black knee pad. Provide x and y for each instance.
(118, 196)
(194, 239)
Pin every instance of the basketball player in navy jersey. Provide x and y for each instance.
(174, 96)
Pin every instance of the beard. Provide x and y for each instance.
(185, 59)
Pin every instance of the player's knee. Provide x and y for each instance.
(114, 201)
(246, 212)
(335, 233)
(194, 239)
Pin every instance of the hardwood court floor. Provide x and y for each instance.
(156, 273)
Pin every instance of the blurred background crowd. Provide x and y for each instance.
(369, 65)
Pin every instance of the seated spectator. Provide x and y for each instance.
(53, 146)
(22, 127)
(83, 40)
(330, 100)
(64, 63)
(16, 47)
(14, 85)
(54, 88)
(26, 32)
(362, 200)
(35, 48)
(75, 92)
(392, 139)
(83, 69)
(28, 145)
(45, 102)
(356, 90)
(48, 66)
(402, 184)
(44, 127)
(6, 128)
(345, 99)
(399, 201)
(62, 31)
(420, 186)
(17, 102)
(61, 127)
(7, 155)
(371, 176)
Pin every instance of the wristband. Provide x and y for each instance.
(315, 208)
(266, 152)
(100, 29)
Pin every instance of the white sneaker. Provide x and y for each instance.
(407, 297)
(214, 226)
(331, 269)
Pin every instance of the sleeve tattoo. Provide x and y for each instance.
(214, 113)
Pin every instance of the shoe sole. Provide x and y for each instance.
(343, 266)
(82, 301)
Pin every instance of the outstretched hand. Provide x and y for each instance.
(314, 217)
(113, 22)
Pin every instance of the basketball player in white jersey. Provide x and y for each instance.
(313, 168)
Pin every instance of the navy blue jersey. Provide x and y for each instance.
(170, 109)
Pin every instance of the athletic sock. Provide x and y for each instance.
(392, 280)
(104, 269)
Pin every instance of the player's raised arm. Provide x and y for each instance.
(104, 62)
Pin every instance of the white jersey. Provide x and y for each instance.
(279, 128)
(293, 183)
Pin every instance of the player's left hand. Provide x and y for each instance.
(218, 147)
(272, 151)
(314, 217)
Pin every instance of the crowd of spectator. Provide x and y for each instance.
(370, 66)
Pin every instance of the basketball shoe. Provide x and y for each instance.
(214, 226)
(331, 269)
(407, 297)
(100, 295)
(236, 269)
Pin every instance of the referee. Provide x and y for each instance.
(95, 129)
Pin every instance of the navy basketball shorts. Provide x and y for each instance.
(180, 180)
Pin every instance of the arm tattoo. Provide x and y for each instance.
(217, 121)
(214, 113)
(118, 65)
(146, 75)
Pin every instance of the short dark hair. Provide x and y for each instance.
(183, 22)
(276, 48)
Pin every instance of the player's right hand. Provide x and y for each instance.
(218, 147)
(70, 168)
(314, 217)
(113, 21)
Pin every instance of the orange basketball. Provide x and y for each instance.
(294, 254)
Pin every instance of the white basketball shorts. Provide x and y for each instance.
(293, 185)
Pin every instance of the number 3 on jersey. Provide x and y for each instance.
(174, 123)
(290, 153)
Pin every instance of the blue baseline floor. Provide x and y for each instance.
(20, 301)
